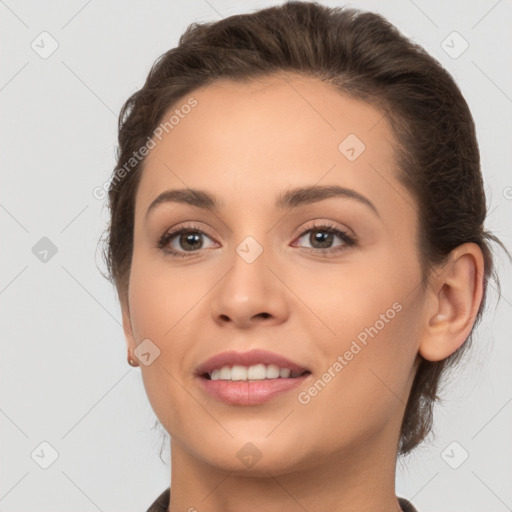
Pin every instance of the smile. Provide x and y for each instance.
(253, 373)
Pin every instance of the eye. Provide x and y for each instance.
(188, 240)
(183, 240)
(322, 236)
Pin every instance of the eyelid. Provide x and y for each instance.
(349, 239)
(345, 234)
(164, 240)
(323, 223)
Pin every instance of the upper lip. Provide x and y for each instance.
(250, 358)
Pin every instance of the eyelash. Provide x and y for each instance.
(348, 240)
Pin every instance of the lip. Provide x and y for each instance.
(252, 357)
(249, 392)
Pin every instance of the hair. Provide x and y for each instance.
(367, 58)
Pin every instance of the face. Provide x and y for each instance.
(328, 279)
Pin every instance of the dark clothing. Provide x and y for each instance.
(161, 504)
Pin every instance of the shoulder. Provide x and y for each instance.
(405, 505)
(161, 504)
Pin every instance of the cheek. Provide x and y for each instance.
(159, 304)
(351, 296)
(365, 382)
(160, 298)
(370, 347)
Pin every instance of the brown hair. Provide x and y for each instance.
(366, 57)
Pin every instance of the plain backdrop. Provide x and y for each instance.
(68, 399)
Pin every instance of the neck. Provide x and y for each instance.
(361, 478)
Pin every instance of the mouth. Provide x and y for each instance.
(253, 373)
(249, 378)
(256, 364)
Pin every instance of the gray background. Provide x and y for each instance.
(64, 376)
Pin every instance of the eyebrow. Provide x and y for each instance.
(293, 198)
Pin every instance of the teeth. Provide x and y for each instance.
(284, 372)
(238, 373)
(224, 372)
(255, 372)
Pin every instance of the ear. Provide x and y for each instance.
(127, 323)
(455, 294)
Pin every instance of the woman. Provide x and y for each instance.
(298, 247)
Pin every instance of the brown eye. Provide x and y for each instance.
(323, 236)
(184, 240)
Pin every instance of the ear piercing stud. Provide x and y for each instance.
(131, 361)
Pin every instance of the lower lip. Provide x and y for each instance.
(250, 392)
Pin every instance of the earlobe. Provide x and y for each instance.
(456, 293)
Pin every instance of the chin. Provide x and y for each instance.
(257, 456)
(267, 466)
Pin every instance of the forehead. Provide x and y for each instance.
(253, 137)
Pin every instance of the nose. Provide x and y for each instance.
(249, 294)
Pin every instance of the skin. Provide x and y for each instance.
(246, 143)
